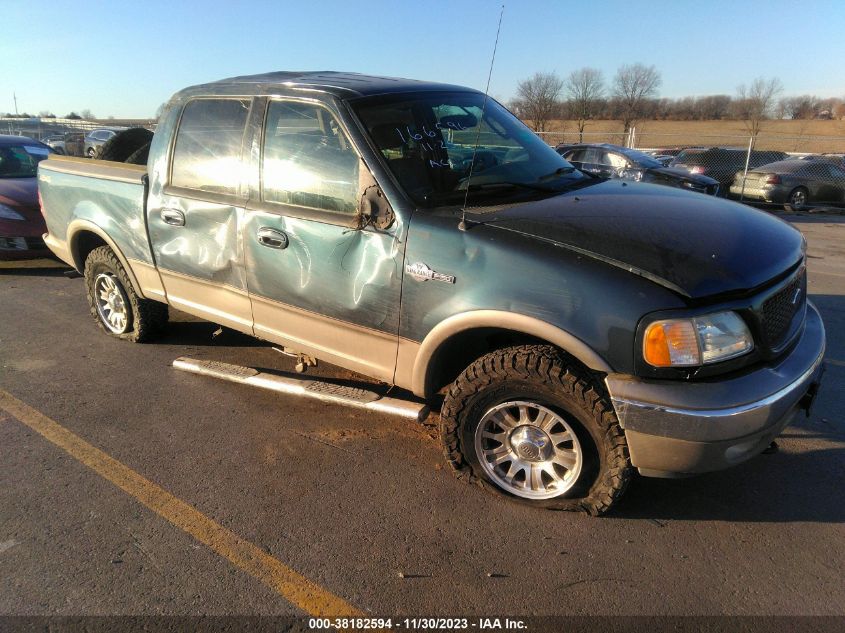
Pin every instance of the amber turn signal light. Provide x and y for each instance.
(671, 344)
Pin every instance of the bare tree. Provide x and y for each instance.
(803, 107)
(633, 87)
(754, 103)
(584, 88)
(539, 98)
(713, 107)
(87, 114)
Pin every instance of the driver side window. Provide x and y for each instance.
(307, 159)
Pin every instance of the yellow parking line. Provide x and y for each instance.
(289, 584)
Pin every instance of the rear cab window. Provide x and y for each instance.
(207, 152)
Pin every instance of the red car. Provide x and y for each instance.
(21, 222)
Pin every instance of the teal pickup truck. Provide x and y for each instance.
(572, 329)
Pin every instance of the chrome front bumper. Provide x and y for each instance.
(676, 428)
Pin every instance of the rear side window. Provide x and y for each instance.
(207, 155)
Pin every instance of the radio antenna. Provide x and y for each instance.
(463, 224)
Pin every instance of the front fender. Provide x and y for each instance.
(498, 319)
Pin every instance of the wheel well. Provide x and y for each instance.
(85, 242)
(461, 350)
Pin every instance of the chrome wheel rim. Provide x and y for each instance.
(112, 303)
(528, 450)
(799, 199)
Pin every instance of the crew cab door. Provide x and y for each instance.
(195, 212)
(318, 283)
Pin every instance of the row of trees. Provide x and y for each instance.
(46, 114)
(632, 96)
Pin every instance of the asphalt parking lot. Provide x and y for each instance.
(128, 487)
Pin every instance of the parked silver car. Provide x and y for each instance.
(95, 139)
(56, 141)
(796, 184)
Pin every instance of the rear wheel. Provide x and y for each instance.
(522, 423)
(114, 304)
(797, 200)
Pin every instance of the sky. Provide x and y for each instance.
(124, 59)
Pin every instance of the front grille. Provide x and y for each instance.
(778, 311)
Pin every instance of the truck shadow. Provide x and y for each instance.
(32, 272)
(185, 333)
(780, 488)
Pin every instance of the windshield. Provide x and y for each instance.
(21, 161)
(428, 142)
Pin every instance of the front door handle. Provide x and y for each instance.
(271, 238)
(174, 217)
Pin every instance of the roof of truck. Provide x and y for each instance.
(343, 85)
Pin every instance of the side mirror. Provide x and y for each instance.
(373, 207)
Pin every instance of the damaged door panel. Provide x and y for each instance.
(320, 281)
(195, 221)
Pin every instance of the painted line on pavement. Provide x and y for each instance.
(294, 587)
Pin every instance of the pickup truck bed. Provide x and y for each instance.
(106, 199)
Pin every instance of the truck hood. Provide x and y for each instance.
(696, 245)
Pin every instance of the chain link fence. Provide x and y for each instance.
(797, 172)
(66, 136)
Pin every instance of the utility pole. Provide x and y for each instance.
(15, 96)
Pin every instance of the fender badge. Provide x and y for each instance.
(421, 272)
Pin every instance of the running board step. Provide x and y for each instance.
(310, 388)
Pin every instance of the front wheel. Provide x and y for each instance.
(116, 307)
(522, 423)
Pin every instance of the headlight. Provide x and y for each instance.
(8, 213)
(697, 341)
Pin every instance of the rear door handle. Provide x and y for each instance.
(174, 217)
(271, 238)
